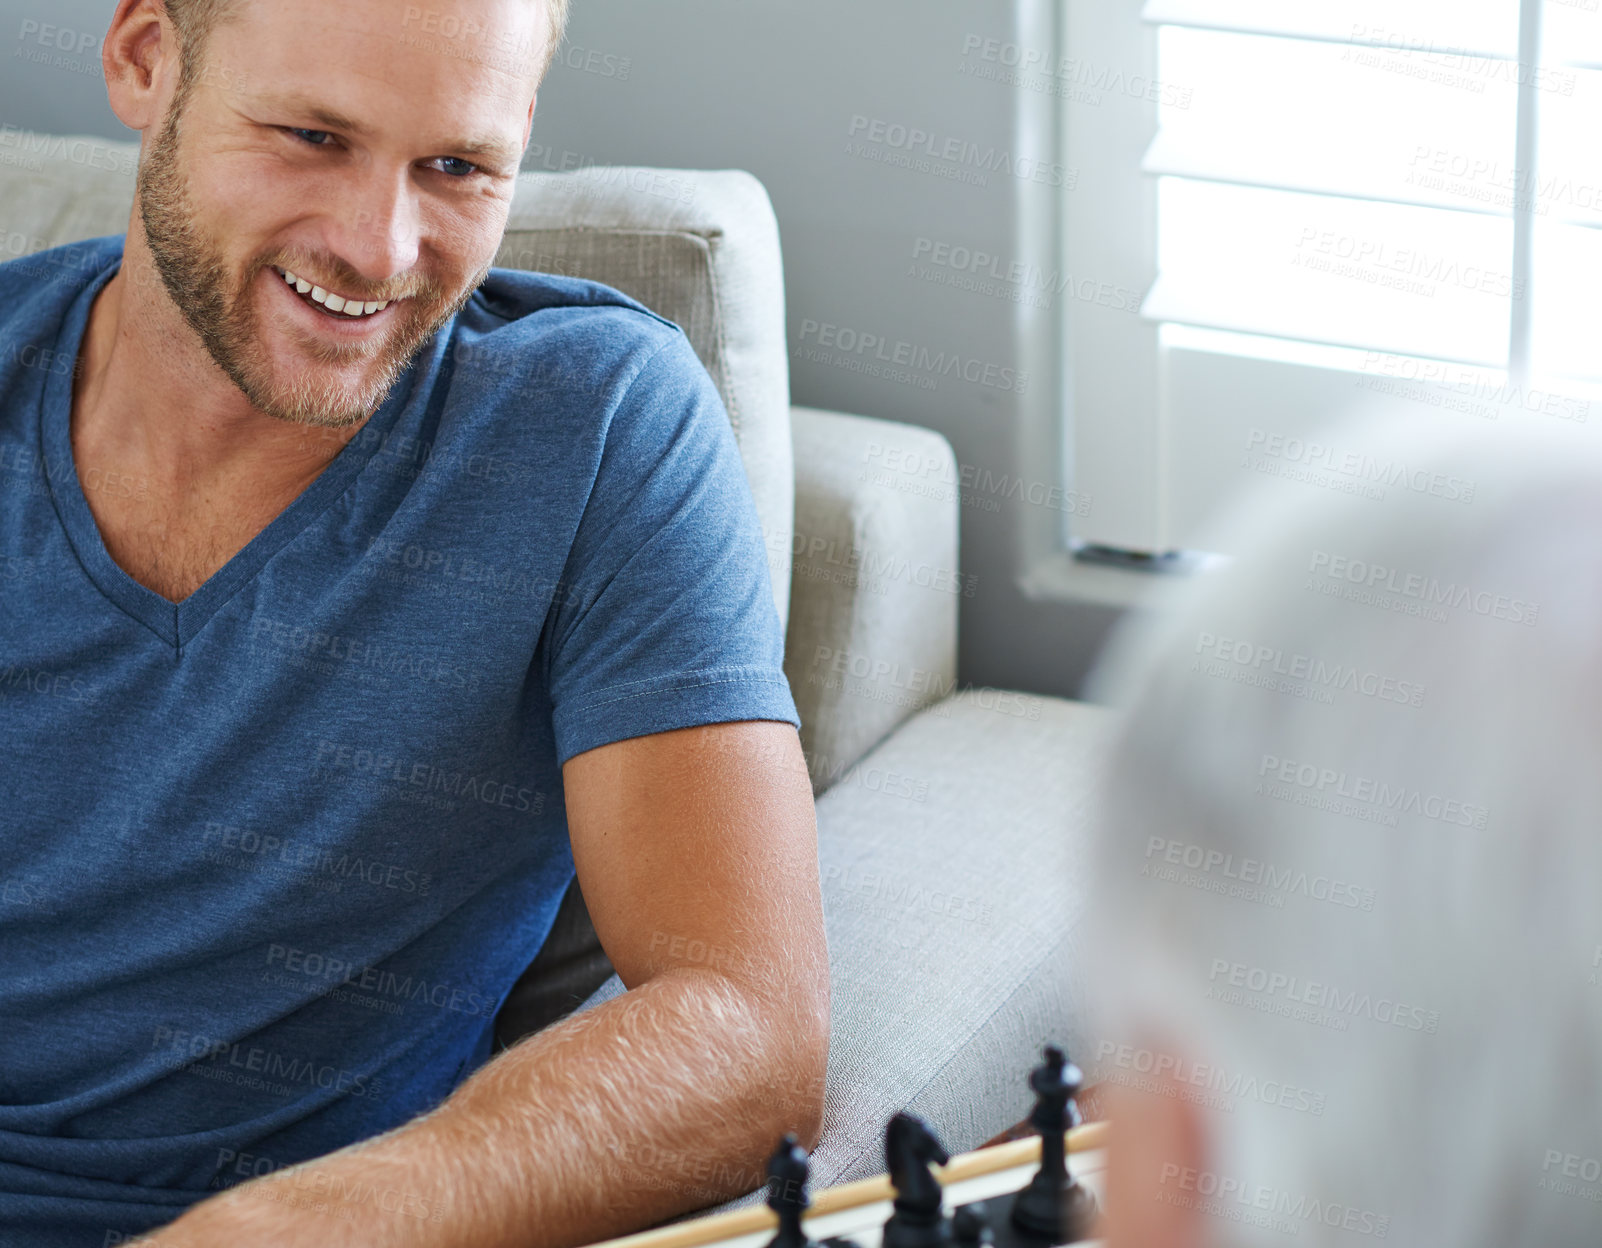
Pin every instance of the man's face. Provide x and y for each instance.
(359, 147)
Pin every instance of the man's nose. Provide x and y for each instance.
(376, 229)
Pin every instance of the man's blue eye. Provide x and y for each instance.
(456, 167)
(314, 137)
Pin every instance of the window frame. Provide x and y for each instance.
(1121, 403)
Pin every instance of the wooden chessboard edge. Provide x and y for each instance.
(722, 1226)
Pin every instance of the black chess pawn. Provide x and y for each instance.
(1055, 1204)
(970, 1227)
(909, 1149)
(787, 1192)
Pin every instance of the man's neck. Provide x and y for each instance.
(149, 399)
(179, 469)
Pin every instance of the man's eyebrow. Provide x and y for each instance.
(305, 108)
(326, 118)
(497, 149)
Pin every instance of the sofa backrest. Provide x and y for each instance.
(700, 248)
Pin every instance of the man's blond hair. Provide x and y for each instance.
(196, 19)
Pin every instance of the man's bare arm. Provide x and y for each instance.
(697, 854)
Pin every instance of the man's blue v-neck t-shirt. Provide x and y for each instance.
(272, 858)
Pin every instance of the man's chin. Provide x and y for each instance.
(314, 398)
(309, 380)
(314, 383)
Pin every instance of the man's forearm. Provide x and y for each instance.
(665, 1099)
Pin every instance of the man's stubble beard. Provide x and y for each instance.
(223, 314)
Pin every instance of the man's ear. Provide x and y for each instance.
(141, 59)
(528, 123)
(1156, 1140)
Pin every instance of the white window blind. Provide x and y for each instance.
(1418, 178)
(1352, 174)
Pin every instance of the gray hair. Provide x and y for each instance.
(1351, 851)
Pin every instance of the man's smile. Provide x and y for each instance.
(330, 302)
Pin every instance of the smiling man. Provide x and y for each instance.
(290, 811)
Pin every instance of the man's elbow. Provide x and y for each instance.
(792, 1083)
(811, 1072)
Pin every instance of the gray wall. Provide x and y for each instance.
(50, 75)
(781, 88)
(774, 86)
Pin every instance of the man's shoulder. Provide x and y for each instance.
(37, 289)
(551, 368)
(562, 332)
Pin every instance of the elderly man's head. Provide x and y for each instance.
(366, 149)
(1352, 968)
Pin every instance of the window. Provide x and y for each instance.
(1392, 203)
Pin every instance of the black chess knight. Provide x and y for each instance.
(910, 1147)
(1054, 1204)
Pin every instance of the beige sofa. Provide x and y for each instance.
(951, 821)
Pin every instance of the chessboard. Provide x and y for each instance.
(1038, 1192)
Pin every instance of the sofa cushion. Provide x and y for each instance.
(58, 189)
(875, 584)
(954, 861)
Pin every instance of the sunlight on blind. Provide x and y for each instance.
(1334, 117)
(1568, 181)
(1566, 198)
(1407, 245)
(1567, 337)
(1489, 27)
(1389, 277)
(1572, 32)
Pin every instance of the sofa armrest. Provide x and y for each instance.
(874, 582)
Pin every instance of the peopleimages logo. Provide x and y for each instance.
(1329, 784)
(355, 655)
(290, 1073)
(1163, 1067)
(1459, 387)
(373, 979)
(334, 756)
(1386, 265)
(916, 471)
(90, 153)
(1254, 873)
(985, 273)
(1228, 1197)
(1560, 1169)
(1359, 465)
(1293, 989)
(1075, 79)
(838, 344)
(874, 136)
(1339, 572)
(1274, 661)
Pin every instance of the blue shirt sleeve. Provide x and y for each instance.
(665, 618)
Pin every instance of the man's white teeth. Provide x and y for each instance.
(334, 303)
